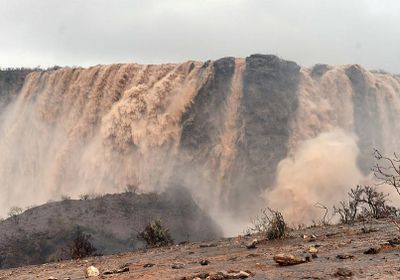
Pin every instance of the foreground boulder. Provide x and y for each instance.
(288, 259)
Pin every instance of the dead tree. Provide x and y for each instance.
(387, 170)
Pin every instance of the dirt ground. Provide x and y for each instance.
(347, 242)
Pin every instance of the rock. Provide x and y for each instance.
(307, 257)
(288, 259)
(122, 270)
(233, 274)
(345, 256)
(343, 272)
(372, 250)
(394, 242)
(312, 238)
(116, 271)
(216, 277)
(242, 275)
(92, 271)
(177, 265)
(201, 275)
(208, 245)
(204, 262)
(148, 265)
(312, 250)
(252, 244)
(52, 278)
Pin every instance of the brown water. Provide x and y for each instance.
(219, 130)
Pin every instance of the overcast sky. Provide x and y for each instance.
(89, 32)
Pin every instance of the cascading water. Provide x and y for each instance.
(220, 128)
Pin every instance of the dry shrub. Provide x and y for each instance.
(269, 223)
(81, 246)
(155, 235)
(364, 203)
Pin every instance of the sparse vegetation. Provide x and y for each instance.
(269, 223)
(324, 220)
(131, 188)
(14, 213)
(65, 197)
(84, 196)
(387, 170)
(23, 248)
(155, 235)
(81, 245)
(364, 202)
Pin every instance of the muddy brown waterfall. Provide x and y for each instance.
(220, 128)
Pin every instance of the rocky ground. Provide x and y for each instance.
(361, 251)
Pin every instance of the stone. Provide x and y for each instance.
(233, 274)
(177, 265)
(372, 250)
(92, 271)
(312, 238)
(252, 244)
(394, 242)
(242, 274)
(208, 245)
(312, 250)
(288, 259)
(307, 257)
(122, 270)
(345, 256)
(203, 275)
(343, 272)
(148, 265)
(216, 277)
(204, 262)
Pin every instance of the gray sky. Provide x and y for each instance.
(88, 32)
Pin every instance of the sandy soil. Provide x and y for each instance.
(232, 254)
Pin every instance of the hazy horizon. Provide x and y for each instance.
(53, 32)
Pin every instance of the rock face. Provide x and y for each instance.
(367, 122)
(269, 100)
(219, 128)
(11, 82)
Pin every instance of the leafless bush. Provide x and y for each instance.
(65, 197)
(84, 196)
(131, 188)
(325, 220)
(81, 245)
(14, 213)
(364, 203)
(269, 223)
(387, 170)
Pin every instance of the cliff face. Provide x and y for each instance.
(220, 127)
(11, 82)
